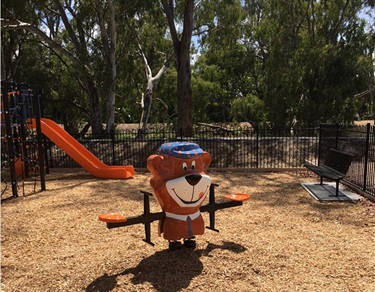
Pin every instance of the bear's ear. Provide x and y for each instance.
(206, 160)
(154, 164)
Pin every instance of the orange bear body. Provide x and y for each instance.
(180, 185)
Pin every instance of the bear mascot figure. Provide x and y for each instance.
(180, 185)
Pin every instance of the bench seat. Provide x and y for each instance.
(325, 171)
(335, 167)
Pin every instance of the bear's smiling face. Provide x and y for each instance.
(179, 180)
(189, 190)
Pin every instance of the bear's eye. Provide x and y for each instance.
(184, 166)
(193, 165)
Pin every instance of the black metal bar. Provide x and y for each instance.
(151, 217)
(46, 142)
(146, 212)
(211, 202)
(113, 147)
(366, 156)
(39, 139)
(218, 206)
(24, 141)
(319, 143)
(22, 129)
(12, 168)
(257, 147)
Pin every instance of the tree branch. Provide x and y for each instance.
(5, 25)
(68, 27)
(103, 31)
(169, 12)
(80, 107)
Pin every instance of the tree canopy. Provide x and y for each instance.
(281, 63)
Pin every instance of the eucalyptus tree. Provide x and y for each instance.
(182, 46)
(13, 43)
(154, 50)
(84, 33)
(152, 80)
(226, 64)
(288, 62)
(313, 58)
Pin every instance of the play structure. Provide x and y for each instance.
(180, 185)
(23, 143)
(22, 151)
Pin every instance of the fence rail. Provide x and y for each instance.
(244, 148)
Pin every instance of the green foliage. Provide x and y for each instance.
(311, 55)
(205, 92)
(265, 61)
(164, 109)
(249, 108)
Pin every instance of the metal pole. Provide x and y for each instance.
(257, 147)
(8, 127)
(319, 142)
(366, 156)
(39, 139)
(113, 146)
(45, 144)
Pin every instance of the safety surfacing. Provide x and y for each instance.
(327, 192)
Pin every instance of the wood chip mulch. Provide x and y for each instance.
(280, 240)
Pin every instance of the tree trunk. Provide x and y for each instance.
(151, 82)
(184, 94)
(109, 39)
(111, 109)
(95, 108)
(182, 51)
(146, 108)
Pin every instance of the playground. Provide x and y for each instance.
(23, 147)
(282, 239)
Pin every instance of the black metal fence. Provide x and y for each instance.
(240, 148)
(359, 141)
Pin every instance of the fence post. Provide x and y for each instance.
(366, 156)
(319, 142)
(49, 147)
(257, 147)
(337, 136)
(113, 146)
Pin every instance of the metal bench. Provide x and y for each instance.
(335, 167)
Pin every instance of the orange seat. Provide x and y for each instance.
(237, 197)
(112, 218)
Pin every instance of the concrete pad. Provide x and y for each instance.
(327, 192)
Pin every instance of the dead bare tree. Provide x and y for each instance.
(147, 96)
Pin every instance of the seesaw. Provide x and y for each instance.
(116, 220)
(180, 185)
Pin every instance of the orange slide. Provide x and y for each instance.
(80, 154)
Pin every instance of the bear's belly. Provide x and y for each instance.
(175, 229)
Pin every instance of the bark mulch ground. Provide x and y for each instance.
(279, 240)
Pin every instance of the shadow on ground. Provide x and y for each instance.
(166, 270)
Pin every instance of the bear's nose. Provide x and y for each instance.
(193, 179)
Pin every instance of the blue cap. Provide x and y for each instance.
(182, 150)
